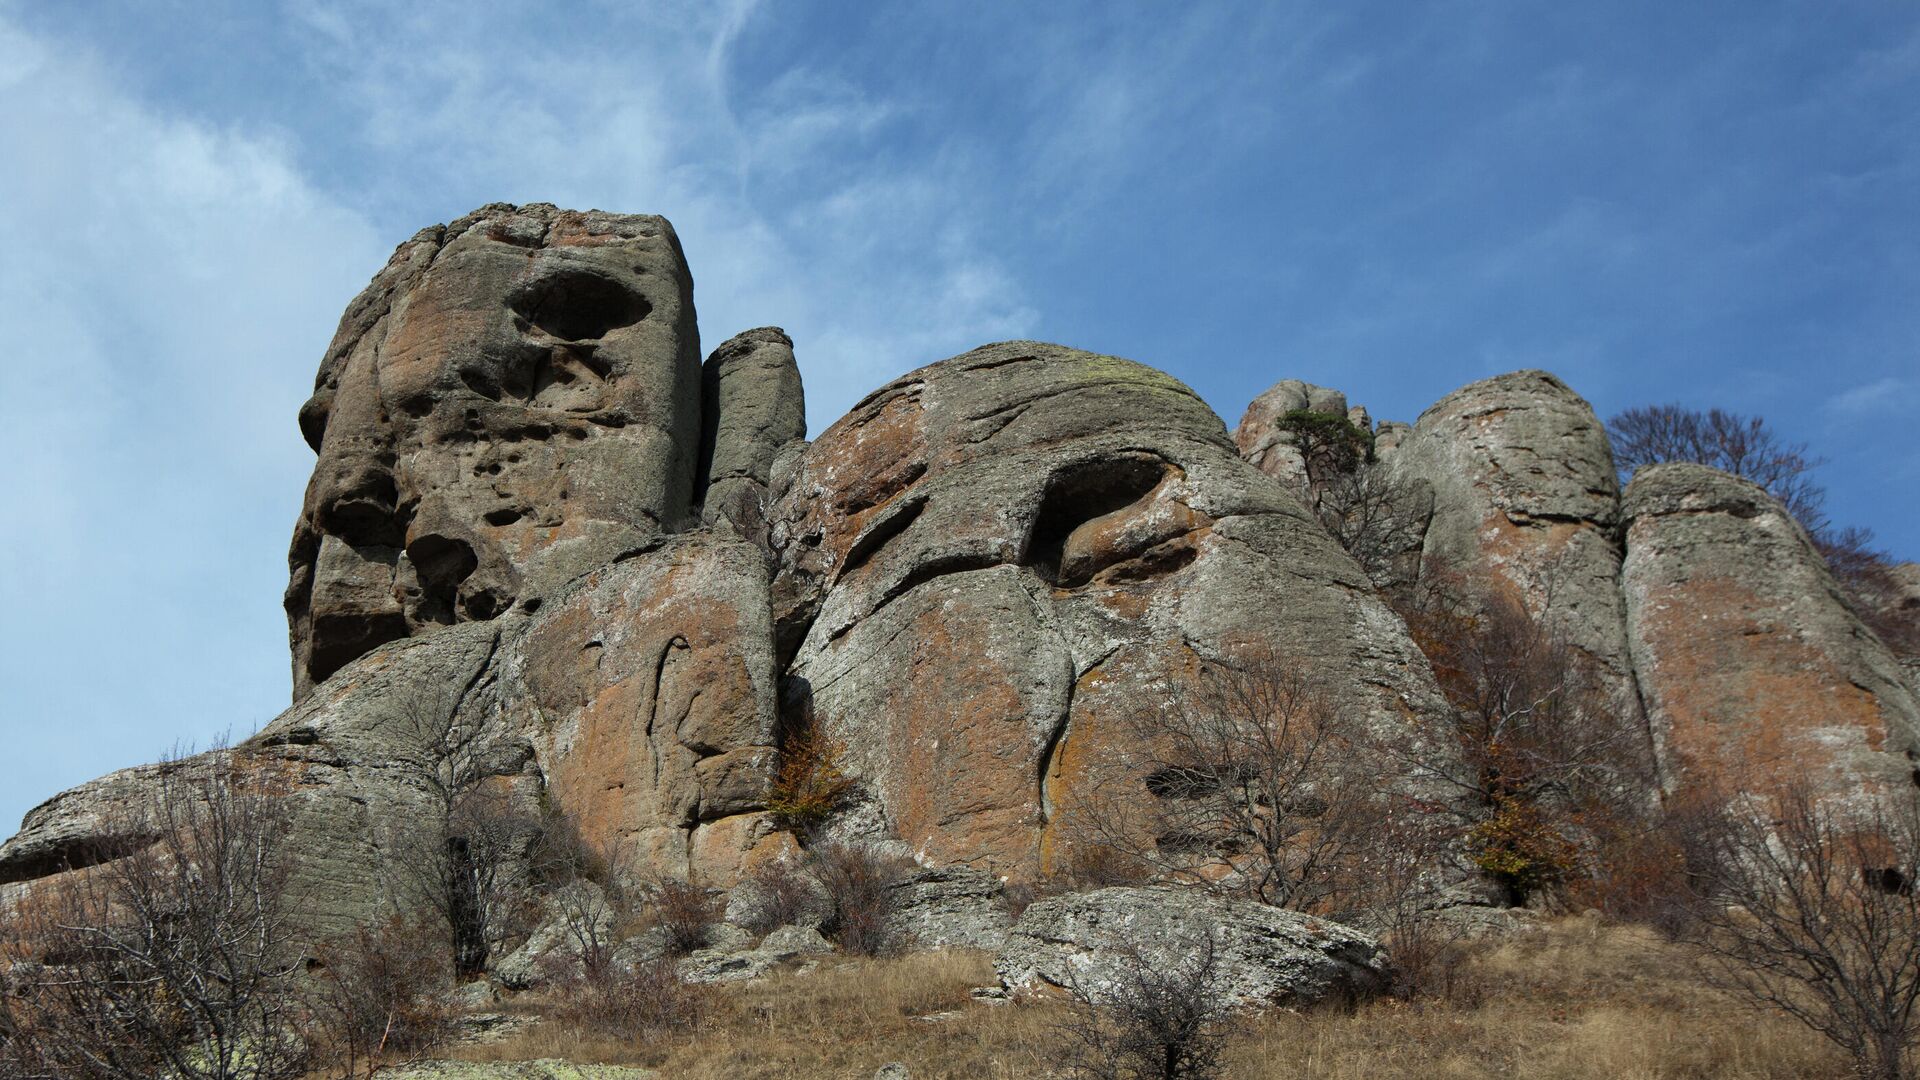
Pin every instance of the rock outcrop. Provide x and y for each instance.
(754, 410)
(513, 401)
(1525, 499)
(624, 580)
(1263, 437)
(1751, 664)
(991, 560)
(1092, 942)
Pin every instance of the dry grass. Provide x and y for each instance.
(1577, 1000)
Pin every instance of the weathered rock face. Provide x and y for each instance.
(1261, 955)
(647, 689)
(1749, 661)
(1263, 438)
(754, 408)
(511, 402)
(991, 560)
(1525, 498)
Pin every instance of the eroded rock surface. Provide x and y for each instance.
(1092, 942)
(1751, 664)
(754, 408)
(512, 401)
(1525, 499)
(1263, 437)
(989, 561)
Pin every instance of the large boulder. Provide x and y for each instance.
(512, 401)
(1090, 943)
(1751, 664)
(1525, 500)
(992, 561)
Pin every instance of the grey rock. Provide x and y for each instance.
(1525, 497)
(514, 400)
(681, 634)
(789, 942)
(1749, 659)
(1262, 955)
(1270, 447)
(893, 1070)
(950, 907)
(989, 558)
(754, 408)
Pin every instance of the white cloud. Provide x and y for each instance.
(1886, 395)
(167, 290)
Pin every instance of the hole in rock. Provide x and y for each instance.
(578, 305)
(338, 640)
(1078, 494)
(505, 515)
(441, 563)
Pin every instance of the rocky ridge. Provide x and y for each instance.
(538, 519)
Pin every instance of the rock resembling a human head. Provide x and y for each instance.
(512, 401)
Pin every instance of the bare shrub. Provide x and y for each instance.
(862, 882)
(1551, 761)
(684, 910)
(458, 860)
(1148, 1018)
(174, 959)
(782, 895)
(647, 998)
(1380, 520)
(1742, 445)
(584, 888)
(1747, 447)
(378, 991)
(1808, 906)
(1253, 782)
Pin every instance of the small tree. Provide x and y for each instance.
(174, 959)
(1548, 762)
(1148, 1018)
(1808, 905)
(458, 859)
(1253, 781)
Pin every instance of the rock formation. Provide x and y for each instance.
(1525, 500)
(627, 583)
(1260, 955)
(1751, 664)
(996, 557)
(513, 401)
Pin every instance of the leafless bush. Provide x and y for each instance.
(684, 910)
(1380, 520)
(1253, 781)
(1147, 1017)
(1544, 756)
(647, 998)
(174, 959)
(584, 886)
(862, 882)
(1742, 445)
(782, 895)
(458, 859)
(378, 991)
(1808, 905)
(1747, 447)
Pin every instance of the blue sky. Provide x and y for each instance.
(1709, 203)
